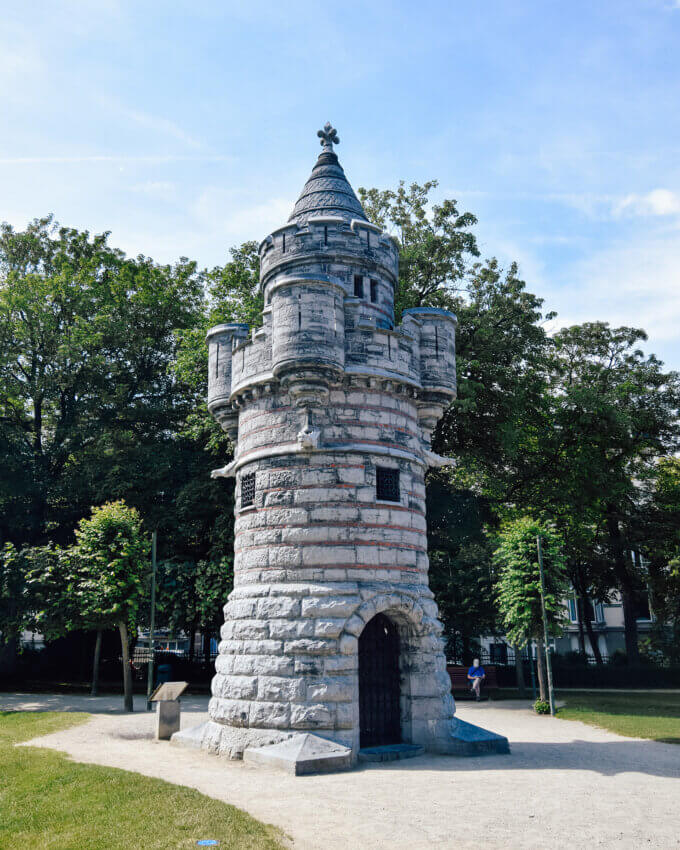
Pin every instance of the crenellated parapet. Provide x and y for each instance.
(351, 247)
(315, 339)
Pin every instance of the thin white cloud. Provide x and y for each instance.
(636, 283)
(161, 126)
(158, 124)
(658, 202)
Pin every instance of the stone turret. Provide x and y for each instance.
(331, 626)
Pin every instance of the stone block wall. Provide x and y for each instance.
(289, 663)
(316, 401)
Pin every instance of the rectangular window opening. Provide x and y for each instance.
(248, 490)
(325, 234)
(374, 291)
(573, 616)
(358, 286)
(283, 243)
(387, 484)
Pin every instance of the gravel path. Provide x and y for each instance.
(564, 785)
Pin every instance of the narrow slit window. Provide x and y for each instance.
(436, 342)
(374, 291)
(248, 490)
(283, 243)
(217, 361)
(387, 484)
(368, 238)
(325, 234)
(358, 286)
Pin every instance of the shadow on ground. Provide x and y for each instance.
(605, 758)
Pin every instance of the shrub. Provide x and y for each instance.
(542, 707)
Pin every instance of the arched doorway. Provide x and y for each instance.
(379, 687)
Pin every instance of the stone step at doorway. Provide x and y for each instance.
(390, 752)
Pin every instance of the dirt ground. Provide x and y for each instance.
(564, 784)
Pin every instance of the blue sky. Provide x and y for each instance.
(185, 128)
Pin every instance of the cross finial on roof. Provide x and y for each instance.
(328, 136)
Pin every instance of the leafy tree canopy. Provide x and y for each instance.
(519, 583)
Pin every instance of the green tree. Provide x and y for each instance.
(461, 572)
(501, 347)
(434, 246)
(192, 595)
(87, 339)
(519, 584)
(14, 608)
(109, 574)
(613, 412)
(659, 542)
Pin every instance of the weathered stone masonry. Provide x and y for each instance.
(318, 402)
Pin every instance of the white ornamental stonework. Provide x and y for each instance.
(320, 399)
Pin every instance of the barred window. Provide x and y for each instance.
(248, 490)
(358, 286)
(387, 484)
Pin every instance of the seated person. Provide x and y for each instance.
(476, 675)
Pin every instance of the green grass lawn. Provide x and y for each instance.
(50, 803)
(655, 716)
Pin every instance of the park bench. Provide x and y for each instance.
(460, 684)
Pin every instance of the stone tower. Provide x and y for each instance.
(331, 627)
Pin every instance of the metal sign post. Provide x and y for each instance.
(152, 624)
(548, 662)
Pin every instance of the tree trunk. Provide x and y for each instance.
(127, 670)
(625, 583)
(192, 639)
(95, 664)
(592, 638)
(519, 671)
(580, 608)
(9, 655)
(542, 672)
(630, 626)
(465, 649)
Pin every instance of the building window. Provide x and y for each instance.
(573, 614)
(641, 605)
(248, 490)
(358, 286)
(325, 234)
(387, 484)
(374, 291)
(283, 243)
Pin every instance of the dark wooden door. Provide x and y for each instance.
(379, 690)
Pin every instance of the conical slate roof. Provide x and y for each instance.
(327, 192)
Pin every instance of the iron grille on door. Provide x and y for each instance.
(379, 683)
(387, 484)
(248, 490)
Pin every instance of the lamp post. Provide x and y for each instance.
(548, 661)
(152, 624)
